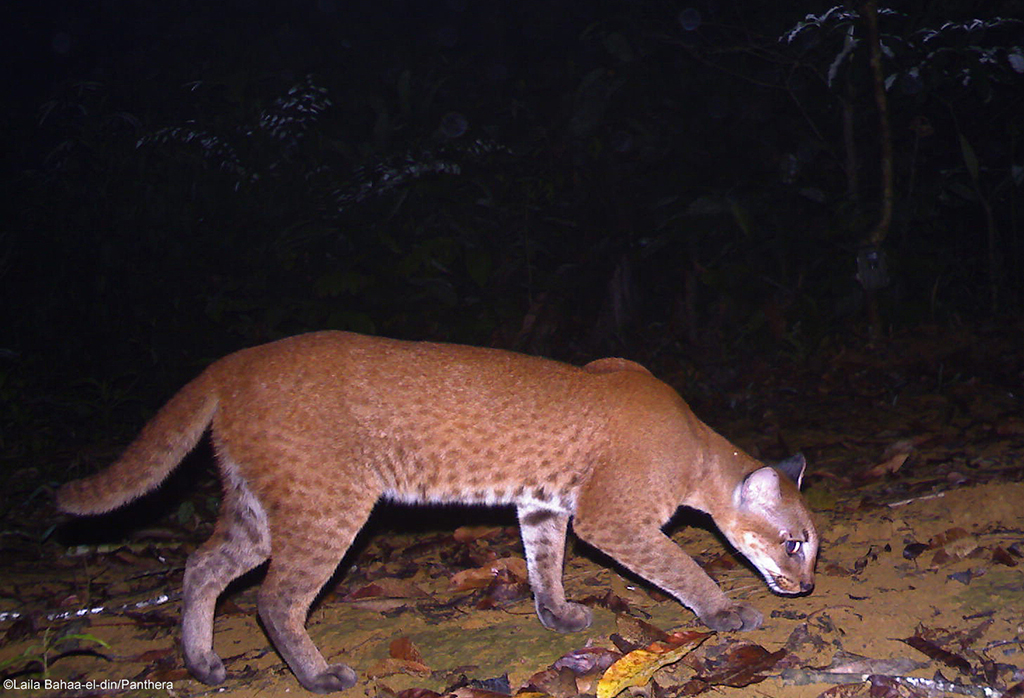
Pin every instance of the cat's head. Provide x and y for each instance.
(773, 528)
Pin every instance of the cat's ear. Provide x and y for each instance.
(760, 488)
(793, 468)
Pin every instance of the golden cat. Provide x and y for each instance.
(312, 430)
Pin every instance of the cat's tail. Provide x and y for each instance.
(147, 462)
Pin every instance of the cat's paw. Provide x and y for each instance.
(570, 618)
(735, 616)
(336, 677)
(207, 667)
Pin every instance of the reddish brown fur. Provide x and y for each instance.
(311, 431)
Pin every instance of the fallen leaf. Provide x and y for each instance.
(967, 638)
(390, 665)
(481, 577)
(380, 605)
(937, 653)
(999, 555)
(21, 628)
(720, 563)
(962, 547)
(850, 663)
(387, 588)
(418, 693)
(227, 607)
(886, 467)
(946, 537)
(742, 664)
(503, 589)
(1015, 691)
(154, 655)
(637, 667)
(905, 445)
(963, 577)
(174, 674)
(612, 602)
(402, 648)
(156, 619)
(469, 692)
(637, 633)
(468, 534)
(560, 683)
(587, 659)
(884, 687)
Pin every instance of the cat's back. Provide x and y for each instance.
(436, 422)
(333, 365)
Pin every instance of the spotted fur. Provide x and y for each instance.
(312, 431)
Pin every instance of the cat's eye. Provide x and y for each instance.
(793, 546)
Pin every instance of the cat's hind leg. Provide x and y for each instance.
(543, 532)
(308, 543)
(239, 543)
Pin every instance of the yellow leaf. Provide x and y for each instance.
(637, 667)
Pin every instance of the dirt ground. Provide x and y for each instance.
(916, 478)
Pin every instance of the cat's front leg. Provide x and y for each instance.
(543, 532)
(648, 552)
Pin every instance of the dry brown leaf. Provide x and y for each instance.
(387, 588)
(504, 588)
(390, 665)
(905, 446)
(403, 648)
(468, 534)
(587, 659)
(154, 655)
(946, 537)
(720, 563)
(886, 467)
(999, 555)
(937, 653)
(480, 577)
(380, 605)
(468, 692)
(418, 693)
(742, 664)
(636, 632)
(560, 683)
(615, 604)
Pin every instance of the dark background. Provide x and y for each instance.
(666, 181)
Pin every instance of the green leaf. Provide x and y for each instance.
(85, 637)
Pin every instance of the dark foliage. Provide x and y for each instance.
(573, 179)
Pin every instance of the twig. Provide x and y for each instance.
(937, 495)
(802, 677)
(95, 610)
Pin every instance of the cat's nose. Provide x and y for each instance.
(806, 587)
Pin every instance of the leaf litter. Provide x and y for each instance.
(916, 481)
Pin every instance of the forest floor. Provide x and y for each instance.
(916, 476)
